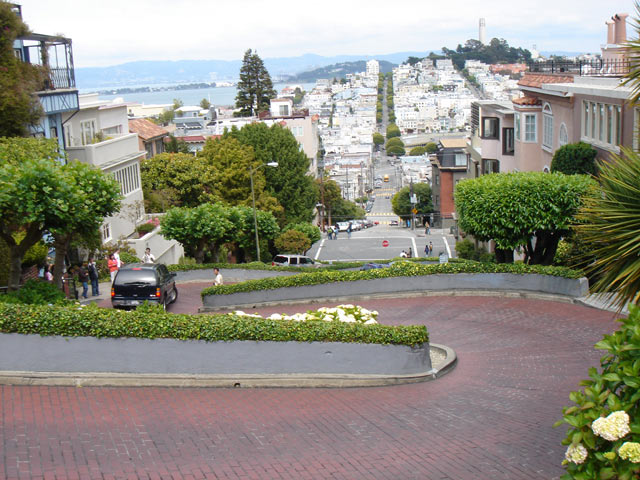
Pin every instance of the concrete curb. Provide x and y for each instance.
(457, 293)
(99, 379)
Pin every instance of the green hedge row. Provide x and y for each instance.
(277, 268)
(151, 322)
(400, 269)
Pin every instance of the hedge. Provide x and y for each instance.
(400, 269)
(150, 322)
(278, 268)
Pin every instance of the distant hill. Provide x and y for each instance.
(338, 70)
(193, 71)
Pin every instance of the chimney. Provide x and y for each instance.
(620, 28)
(610, 31)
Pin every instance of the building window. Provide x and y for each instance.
(563, 135)
(436, 179)
(490, 127)
(490, 166)
(128, 178)
(284, 110)
(530, 127)
(88, 131)
(516, 118)
(67, 136)
(461, 160)
(508, 145)
(436, 200)
(106, 232)
(547, 127)
(601, 124)
(115, 130)
(159, 146)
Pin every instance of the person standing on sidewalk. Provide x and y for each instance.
(83, 278)
(427, 228)
(93, 276)
(349, 228)
(113, 267)
(217, 277)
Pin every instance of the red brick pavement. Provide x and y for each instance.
(490, 418)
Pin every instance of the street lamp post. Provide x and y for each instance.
(253, 200)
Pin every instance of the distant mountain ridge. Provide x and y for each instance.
(192, 71)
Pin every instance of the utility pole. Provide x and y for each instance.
(413, 202)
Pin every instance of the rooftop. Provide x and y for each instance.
(453, 142)
(146, 129)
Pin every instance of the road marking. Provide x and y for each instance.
(319, 248)
(446, 244)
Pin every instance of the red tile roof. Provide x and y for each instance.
(537, 80)
(527, 101)
(146, 129)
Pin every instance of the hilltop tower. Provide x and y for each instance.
(481, 32)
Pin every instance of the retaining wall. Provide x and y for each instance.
(443, 282)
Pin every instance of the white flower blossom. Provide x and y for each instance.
(576, 454)
(613, 427)
(630, 451)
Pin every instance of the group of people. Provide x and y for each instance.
(405, 254)
(332, 231)
(428, 250)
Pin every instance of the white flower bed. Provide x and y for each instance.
(341, 313)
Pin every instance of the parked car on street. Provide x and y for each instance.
(136, 283)
(342, 226)
(287, 260)
(394, 223)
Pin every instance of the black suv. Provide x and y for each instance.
(136, 283)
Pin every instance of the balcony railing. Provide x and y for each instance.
(58, 78)
(583, 68)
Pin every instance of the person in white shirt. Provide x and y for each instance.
(148, 256)
(116, 256)
(217, 278)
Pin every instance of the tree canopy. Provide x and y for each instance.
(497, 51)
(378, 139)
(255, 89)
(401, 203)
(392, 131)
(19, 107)
(575, 158)
(290, 182)
(513, 208)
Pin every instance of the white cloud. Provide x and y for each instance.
(108, 33)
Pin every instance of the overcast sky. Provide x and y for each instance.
(118, 31)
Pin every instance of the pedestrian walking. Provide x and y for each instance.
(113, 266)
(116, 256)
(336, 230)
(430, 249)
(93, 276)
(330, 233)
(410, 253)
(427, 228)
(148, 256)
(217, 278)
(48, 276)
(83, 278)
(349, 229)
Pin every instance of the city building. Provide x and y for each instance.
(151, 137)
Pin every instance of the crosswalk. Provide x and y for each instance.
(381, 214)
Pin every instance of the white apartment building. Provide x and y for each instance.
(373, 68)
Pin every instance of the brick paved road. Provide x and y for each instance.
(488, 419)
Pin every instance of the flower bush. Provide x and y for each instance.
(604, 424)
(341, 313)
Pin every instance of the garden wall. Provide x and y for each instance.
(535, 283)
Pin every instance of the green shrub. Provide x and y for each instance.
(35, 292)
(311, 231)
(149, 322)
(292, 241)
(399, 269)
(145, 228)
(615, 388)
(467, 250)
(575, 158)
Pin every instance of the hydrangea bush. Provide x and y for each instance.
(341, 313)
(603, 438)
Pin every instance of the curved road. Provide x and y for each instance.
(490, 418)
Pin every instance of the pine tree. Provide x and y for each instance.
(255, 88)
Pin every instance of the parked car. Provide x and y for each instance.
(394, 223)
(342, 226)
(136, 283)
(286, 260)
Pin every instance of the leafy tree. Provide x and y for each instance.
(431, 147)
(392, 131)
(19, 107)
(311, 231)
(166, 116)
(418, 151)
(96, 195)
(413, 60)
(292, 241)
(395, 142)
(513, 208)
(179, 177)
(347, 210)
(401, 203)
(497, 51)
(290, 183)
(198, 229)
(575, 158)
(176, 145)
(395, 150)
(332, 196)
(298, 95)
(205, 104)
(255, 88)
(244, 231)
(38, 194)
(177, 103)
(378, 139)
(610, 224)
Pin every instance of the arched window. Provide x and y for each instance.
(563, 135)
(547, 127)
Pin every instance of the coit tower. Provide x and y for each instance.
(481, 28)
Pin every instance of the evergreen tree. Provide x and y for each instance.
(255, 88)
(18, 80)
